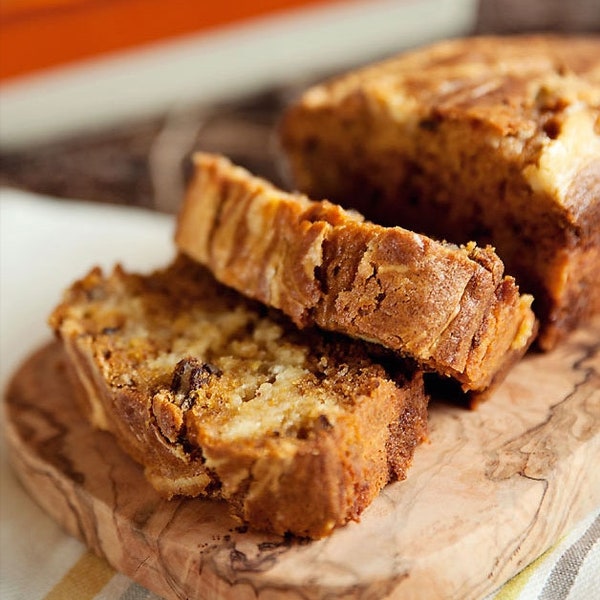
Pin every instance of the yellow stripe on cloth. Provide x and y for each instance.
(513, 587)
(84, 579)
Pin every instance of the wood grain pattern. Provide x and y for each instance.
(493, 490)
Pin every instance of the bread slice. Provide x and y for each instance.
(297, 431)
(492, 139)
(449, 307)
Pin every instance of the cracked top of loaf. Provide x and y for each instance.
(539, 95)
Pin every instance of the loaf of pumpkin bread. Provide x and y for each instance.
(450, 308)
(297, 431)
(491, 139)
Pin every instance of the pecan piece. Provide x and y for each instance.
(190, 374)
(169, 417)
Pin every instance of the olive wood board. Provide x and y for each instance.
(491, 491)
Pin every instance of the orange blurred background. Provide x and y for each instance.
(39, 34)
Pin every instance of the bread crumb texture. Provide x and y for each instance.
(216, 396)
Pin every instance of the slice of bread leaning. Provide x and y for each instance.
(297, 430)
(450, 308)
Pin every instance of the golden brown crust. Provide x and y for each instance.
(493, 139)
(297, 431)
(450, 308)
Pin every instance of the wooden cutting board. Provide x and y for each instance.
(493, 489)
